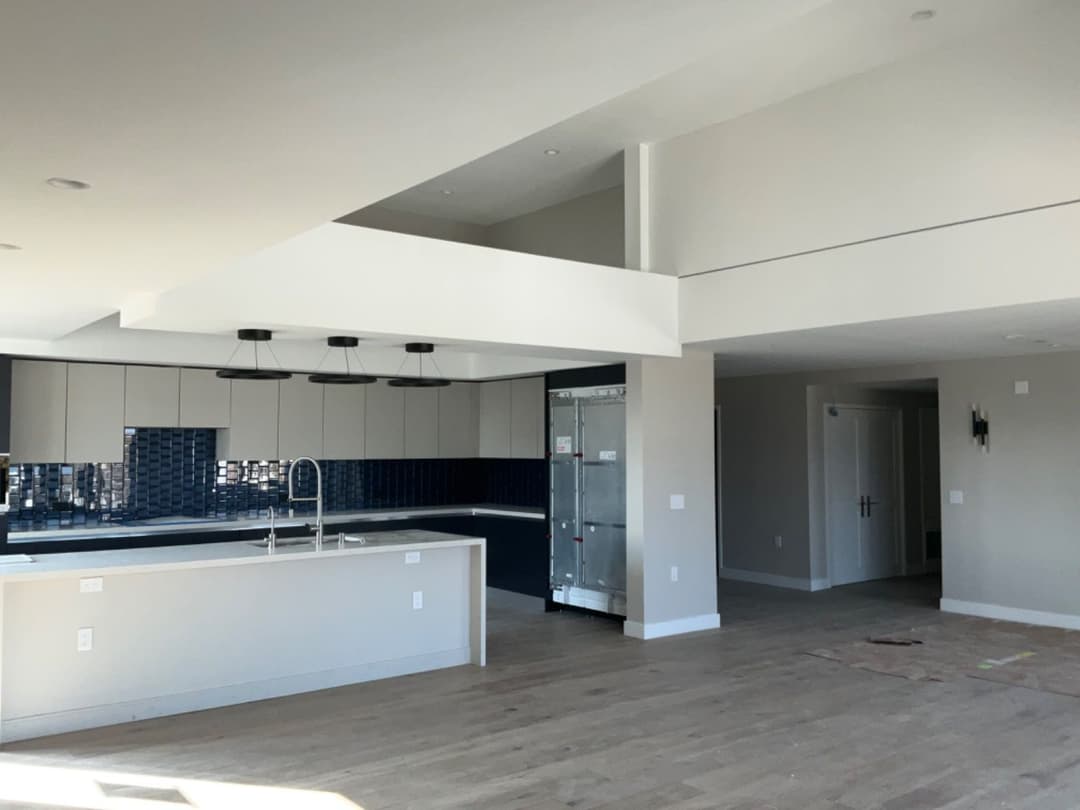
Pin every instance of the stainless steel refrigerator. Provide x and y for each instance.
(587, 452)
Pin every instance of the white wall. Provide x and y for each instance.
(1009, 548)
(394, 284)
(585, 229)
(669, 423)
(981, 127)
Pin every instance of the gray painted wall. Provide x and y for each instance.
(1013, 541)
(669, 418)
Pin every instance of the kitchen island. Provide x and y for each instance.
(96, 638)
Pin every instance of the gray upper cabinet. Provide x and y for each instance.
(495, 419)
(95, 413)
(300, 418)
(421, 422)
(152, 397)
(527, 418)
(204, 399)
(384, 419)
(343, 421)
(459, 420)
(253, 422)
(38, 411)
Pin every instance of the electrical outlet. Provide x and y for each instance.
(1021, 387)
(85, 640)
(91, 585)
(678, 501)
(412, 557)
(778, 541)
(674, 573)
(956, 497)
(417, 600)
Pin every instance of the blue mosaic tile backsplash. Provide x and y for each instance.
(173, 473)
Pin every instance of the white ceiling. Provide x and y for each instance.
(801, 52)
(211, 129)
(999, 332)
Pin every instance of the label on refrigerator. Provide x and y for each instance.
(564, 444)
(608, 455)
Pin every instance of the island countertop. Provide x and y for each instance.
(19, 567)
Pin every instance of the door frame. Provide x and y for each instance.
(898, 480)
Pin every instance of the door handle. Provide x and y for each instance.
(862, 506)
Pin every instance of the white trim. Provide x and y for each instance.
(776, 580)
(41, 725)
(1069, 621)
(675, 627)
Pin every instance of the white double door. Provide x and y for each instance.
(862, 453)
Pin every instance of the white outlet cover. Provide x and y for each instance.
(674, 573)
(412, 557)
(678, 501)
(1021, 387)
(85, 640)
(91, 585)
(956, 496)
(417, 600)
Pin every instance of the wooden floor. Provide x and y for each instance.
(571, 714)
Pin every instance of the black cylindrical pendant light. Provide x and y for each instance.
(420, 349)
(343, 342)
(255, 337)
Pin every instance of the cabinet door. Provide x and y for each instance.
(204, 399)
(38, 411)
(95, 413)
(459, 421)
(384, 420)
(421, 422)
(300, 419)
(527, 417)
(152, 396)
(253, 422)
(343, 421)
(495, 419)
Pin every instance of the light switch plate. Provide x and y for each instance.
(84, 642)
(417, 600)
(956, 496)
(678, 501)
(674, 573)
(1021, 387)
(91, 585)
(412, 557)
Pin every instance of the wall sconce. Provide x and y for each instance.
(980, 428)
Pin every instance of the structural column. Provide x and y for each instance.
(636, 203)
(670, 497)
(5, 428)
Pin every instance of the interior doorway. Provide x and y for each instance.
(882, 482)
(863, 480)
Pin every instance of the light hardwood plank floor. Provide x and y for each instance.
(571, 714)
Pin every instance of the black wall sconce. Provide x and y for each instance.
(980, 428)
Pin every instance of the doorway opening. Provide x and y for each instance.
(882, 492)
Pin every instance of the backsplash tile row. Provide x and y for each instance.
(173, 473)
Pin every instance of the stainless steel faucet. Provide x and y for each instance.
(271, 539)
(318, 496)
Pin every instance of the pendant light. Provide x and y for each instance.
(255, 337)
(419, 349)
(344, 343)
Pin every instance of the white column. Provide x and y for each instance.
(671, 496)
(636, 202)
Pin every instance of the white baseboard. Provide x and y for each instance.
(1068, 621)
(776, 580)
(675, 627)
(43, 725)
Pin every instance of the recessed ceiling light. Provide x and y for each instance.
(9, 246)
(447, 191)
(1057, 346)
(1014, 337)
(923, 14)
(551, 152)
(67, 184)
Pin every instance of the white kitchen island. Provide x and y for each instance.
(183, 628)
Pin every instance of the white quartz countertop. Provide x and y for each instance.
(207, 526)
(20, 567)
